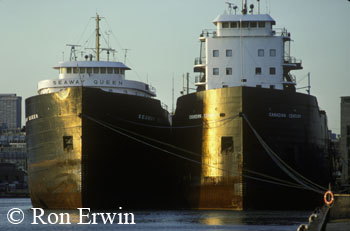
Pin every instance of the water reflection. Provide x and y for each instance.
(250, 217)
(220, 217)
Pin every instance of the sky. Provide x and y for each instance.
(162, 36)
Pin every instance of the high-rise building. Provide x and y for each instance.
(345, 136)
(10, 111)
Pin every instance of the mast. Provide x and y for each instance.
(308, 83)
(97, 37)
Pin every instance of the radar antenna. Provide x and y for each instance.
(235, 8)
(251, 8)
(108, 51)
(125, 53)
(73, 55)
(231, 6)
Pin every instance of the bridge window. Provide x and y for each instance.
(82, 70)
(116, 70)
(245, 24)
(253, 24)
(225, 25)
(258, 70)
(103, 70)
(215, 53)
(122, 71)
(234, 25)
(89, 70)
(261, 52)
(96, 70)
(215, 71)
(69, 70)
(261, 24)
(109, 70)
(75, 70)
(63, 70)
(272, 52)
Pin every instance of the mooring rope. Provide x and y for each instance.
(120, 131)
(283, 165)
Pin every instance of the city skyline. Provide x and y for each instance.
(163, 40)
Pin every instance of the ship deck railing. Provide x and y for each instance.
(200, 78)
(291, 60)
(199, 61)
(206, 33)
(281, 32)
(164, 106)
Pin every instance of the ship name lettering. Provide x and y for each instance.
(284, 115)
(294, 116)
(69, 82)
(277, 115)
(107, 82)
(193, 117)
(146, 117)
(32, 117)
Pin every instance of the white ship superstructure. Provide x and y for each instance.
(109, 76)
(245, 50)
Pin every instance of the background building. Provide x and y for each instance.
(10, 111)
(345, 137)
(13, 148)
(13, 157)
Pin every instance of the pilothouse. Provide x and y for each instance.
(245, 50)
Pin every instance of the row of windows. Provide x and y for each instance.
(258, 71)
(244, 24)
(228, 53)
(89, 70)
(258, 86)
(261, 53)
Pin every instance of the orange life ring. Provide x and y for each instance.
(325, 198)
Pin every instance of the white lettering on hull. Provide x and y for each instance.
(284, 115)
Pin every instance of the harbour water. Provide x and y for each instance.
(158, 220)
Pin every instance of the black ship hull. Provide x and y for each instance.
(237, 172)
(90, 148)
(94, 149)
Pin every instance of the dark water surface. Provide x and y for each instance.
(157, 220)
